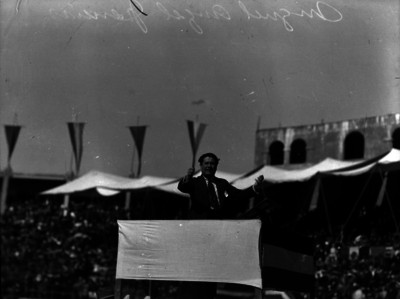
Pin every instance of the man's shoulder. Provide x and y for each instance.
(215, 179)
(201, 179)
(221, 180)
(197, 180)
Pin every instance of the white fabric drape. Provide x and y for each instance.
(191, 250)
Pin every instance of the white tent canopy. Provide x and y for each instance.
(109, 184)
(279, 175)
(392, 157)
(101, 180)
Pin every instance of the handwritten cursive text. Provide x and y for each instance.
(134, 13)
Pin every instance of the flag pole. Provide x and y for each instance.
(4, 189)
(140, 145)
(75, 130)
(194, 160)
(12, 133)
(138, 133)
(194, 148)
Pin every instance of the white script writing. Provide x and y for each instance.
(322, 10)
(284, 14)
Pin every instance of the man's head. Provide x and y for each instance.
(208, 164)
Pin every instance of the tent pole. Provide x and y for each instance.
(150, 288)
(358, 200)
(386, 195)
(315, 194)
(326, 209)
(127, 203)
(392, 213)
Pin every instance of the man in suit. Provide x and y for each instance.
(210, 196)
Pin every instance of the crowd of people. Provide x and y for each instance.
(53, 252)
(62, 252)
(364, 268)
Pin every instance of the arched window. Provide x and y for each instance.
(298, 151)
(396, 138)
(354, 146)
(276, 153)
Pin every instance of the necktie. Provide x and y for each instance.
(214, 204)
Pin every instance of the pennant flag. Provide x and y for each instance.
(196, 131)
(138, 133)
(12, 132)
(76, 134)
(382, 191)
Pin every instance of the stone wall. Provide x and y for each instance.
(328, 139)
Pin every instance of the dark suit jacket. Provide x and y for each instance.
(200, 202)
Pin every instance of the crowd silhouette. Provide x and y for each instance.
(367, 267)
(52, 252)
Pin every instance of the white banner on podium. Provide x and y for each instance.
(190, 250)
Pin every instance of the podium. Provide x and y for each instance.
(228, 251)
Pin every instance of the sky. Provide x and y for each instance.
(230, 64)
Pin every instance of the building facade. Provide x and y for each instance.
(354, 139)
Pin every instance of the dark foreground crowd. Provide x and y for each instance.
(361, 269)
(51, 252)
